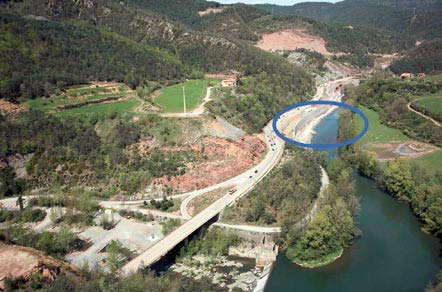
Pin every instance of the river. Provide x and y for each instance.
(393, 254)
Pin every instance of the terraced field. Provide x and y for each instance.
(99, 99)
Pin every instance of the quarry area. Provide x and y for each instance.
(292, 39)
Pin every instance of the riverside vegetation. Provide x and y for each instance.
(287, 195)
(409, 180)
(334, 226)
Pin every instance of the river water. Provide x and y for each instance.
(393, 254)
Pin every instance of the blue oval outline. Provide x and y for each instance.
(320, 146)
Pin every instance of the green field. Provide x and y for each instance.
(171, 98)
(432, 103)
(431, 162)
(434, 77)
(377, 132)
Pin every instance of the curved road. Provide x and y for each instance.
(245, 182)
(422, 115)
(250, 178)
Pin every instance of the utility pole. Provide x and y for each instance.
(184, 100)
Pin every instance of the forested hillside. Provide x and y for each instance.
(185, 11)
(196, 50)
(248, 23)
(37, 56)
(418, 18)
(425, 58)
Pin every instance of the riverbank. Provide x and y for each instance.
(224, 272)
(320, 262)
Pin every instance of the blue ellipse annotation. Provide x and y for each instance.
(320, 146)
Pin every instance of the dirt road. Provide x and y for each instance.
(424, 116)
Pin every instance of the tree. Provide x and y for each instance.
(318, 240)
(65, 238)
(368, 164)
(398, 179)
(114, 257)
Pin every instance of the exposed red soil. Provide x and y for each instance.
(225, 159)
(144, 146)
(211, 10)
(292, 39)
(23, 262)
(10, 108)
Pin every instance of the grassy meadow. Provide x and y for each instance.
(431, 103)
(171, 98)
(377, 132)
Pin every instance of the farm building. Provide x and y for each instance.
(406, 75)
(228, 82)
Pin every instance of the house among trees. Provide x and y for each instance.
(228, 82)
(406, 75)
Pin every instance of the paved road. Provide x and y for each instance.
(250, 178)
(251, 228)
(325, 182)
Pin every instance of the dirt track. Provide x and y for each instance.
(422, 115)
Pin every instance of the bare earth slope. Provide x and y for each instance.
(292, 39)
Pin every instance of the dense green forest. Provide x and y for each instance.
(285, 196)
(425, 58)
(185, 11)
(288, 194)
(334, 226)
(38, 56)
(256, 101)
